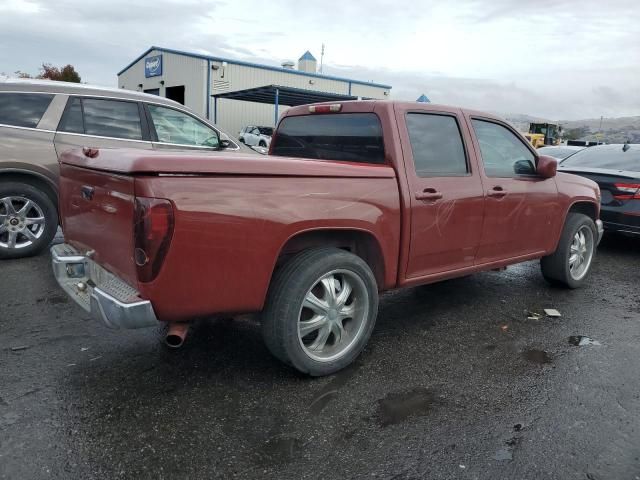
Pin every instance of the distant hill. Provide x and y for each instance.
(614, 130)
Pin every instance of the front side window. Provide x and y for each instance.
(349, 137)
(436, 144)
(112, 118)
(503, 154)
(173, 126)
(23, 109)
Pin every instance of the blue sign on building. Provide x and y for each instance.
(153, 66)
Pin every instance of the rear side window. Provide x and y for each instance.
(72, 120)
(105, 118)
(607, 156)
(436, 144)
(23, 109)
(349, 137)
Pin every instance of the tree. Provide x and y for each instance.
(64, 74)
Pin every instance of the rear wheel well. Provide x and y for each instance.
(587, 208)
(360, 243)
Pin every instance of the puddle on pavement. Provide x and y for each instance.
(503, 454)
(397, 407)
(280, 450)
(331, 389)
(582, 341)
(506, 453)
(537, 356)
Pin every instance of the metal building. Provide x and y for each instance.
(233, 93)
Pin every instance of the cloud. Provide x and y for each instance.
(546, 58)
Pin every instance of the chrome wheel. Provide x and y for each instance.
(22, 222)
(333, 315)
(581, 252)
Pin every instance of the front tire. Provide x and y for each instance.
(28, 220)
(321, 310)
(570, 264)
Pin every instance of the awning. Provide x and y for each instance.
(289, 96)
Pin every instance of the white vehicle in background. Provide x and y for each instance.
(256, 136)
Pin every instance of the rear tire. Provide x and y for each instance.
(570, 264)
(40, 219)
(308, 327)
(262, 144)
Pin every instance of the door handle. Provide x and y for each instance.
(497, 192)
(428, 194)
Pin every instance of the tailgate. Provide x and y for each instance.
(97, 210)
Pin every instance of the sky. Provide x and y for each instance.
(554, 59)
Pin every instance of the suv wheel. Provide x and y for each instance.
(569, 265)
(28, 220)
(321, 309)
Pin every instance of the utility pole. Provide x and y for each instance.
(321, 57)
(600, 125)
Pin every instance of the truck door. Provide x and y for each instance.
(520, 206)
(447, 199)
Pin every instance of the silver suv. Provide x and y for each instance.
(41, 119)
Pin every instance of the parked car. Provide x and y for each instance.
(256, 136)
(616, 169)
(41, 119)
(355, 199)
(560, 152)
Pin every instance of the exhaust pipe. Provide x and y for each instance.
(176, 334)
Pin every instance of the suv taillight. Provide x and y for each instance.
(153, 229)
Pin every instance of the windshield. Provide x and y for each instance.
(352, 137)
(606, 156)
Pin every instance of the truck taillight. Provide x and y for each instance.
(336, 107)
(153, 229)
(628, 191)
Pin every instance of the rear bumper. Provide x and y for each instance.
(99, 292)
(600, 227)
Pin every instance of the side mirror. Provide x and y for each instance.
(524, 167)
(547, 166)
(224, 143)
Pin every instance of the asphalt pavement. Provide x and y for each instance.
(456, 383)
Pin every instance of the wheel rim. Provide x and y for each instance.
(21, 222)
(581, 252)
(333, 315)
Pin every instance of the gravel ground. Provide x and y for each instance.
(455, 383)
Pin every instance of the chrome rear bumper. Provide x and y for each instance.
(98, 291)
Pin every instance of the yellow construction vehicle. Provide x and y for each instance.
(541, 134)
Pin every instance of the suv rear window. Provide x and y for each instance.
(23, 109)
(349, 137)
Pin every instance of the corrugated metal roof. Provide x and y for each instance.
(249, 64)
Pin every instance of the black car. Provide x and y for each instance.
(616, 169)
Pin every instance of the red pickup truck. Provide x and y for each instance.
(354, 199)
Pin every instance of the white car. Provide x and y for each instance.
(256, 136)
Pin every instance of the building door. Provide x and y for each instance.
(176, 94)
(153, 91)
